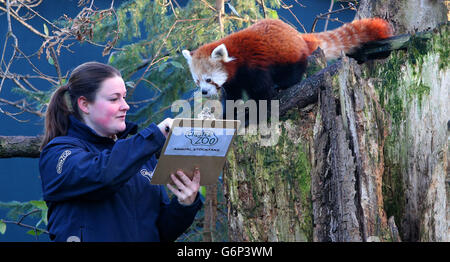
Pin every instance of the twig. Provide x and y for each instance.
(296, 19)
(31, 28)
(8, 34)
(19, 223)
(21, 107)
(26, 226)
(173, 9)
(56, 63)
(37, 14)
(328, 13)
(263, 6)
(328, 16)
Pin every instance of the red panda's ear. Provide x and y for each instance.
(220, 53)
(187, 54)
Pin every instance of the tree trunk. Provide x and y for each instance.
(415, 94)
(416, 152)
(210, 207)
(373, 147)
(348, 148)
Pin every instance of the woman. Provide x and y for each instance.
(95, 181)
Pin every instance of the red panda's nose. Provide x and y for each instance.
(204, 92)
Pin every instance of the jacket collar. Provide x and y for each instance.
(81, 130)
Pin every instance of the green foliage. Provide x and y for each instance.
(18, 211)
(2, 227)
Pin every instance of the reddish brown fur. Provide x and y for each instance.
(263, 44)
(272, 42)
(350, 36)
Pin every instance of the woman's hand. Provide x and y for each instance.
(165, 126)
(186, 189)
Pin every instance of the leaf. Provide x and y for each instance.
(203, 190)
(44, 216)
(45, 29)
(2, 227)
(16, 208)
(177, 65)
(233, 9)
(130, 84)
(112, 57)
(38, 223)
(34, 232)
(272, 13)
(162, 67)
(50, 61)
(40, 204)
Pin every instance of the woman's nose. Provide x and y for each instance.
(124, 106)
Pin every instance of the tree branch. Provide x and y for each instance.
(306, 92)
(20, 146)
(298, 96)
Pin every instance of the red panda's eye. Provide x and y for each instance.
(208, 80)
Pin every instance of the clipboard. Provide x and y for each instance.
(195, 143)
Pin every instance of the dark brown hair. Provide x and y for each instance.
(84, 81)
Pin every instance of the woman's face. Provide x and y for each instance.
(106, 115)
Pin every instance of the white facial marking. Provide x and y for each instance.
(210, 82)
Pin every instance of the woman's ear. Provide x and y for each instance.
(83, 104)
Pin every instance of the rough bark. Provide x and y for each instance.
(333, 175)
(348, 167)
(414, 91)
(20, 146)
(210, 207)
(268, 187)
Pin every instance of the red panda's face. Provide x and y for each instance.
(208, 71)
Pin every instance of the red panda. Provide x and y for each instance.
(271, 53)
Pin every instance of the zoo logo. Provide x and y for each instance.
(61, 160)
(201, 137)
(145, 173)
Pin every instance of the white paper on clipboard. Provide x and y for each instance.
(194, 143)
(197, 141)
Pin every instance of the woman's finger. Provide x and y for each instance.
(181, 196)
(177, 182)
(196, 178)
(175, 191)
(184, 178)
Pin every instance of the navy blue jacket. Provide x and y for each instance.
(98, 189)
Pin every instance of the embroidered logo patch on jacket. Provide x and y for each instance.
(61, 160)
(147, 174)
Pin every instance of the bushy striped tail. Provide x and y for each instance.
(349, 36)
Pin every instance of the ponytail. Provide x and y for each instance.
(57, 115)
